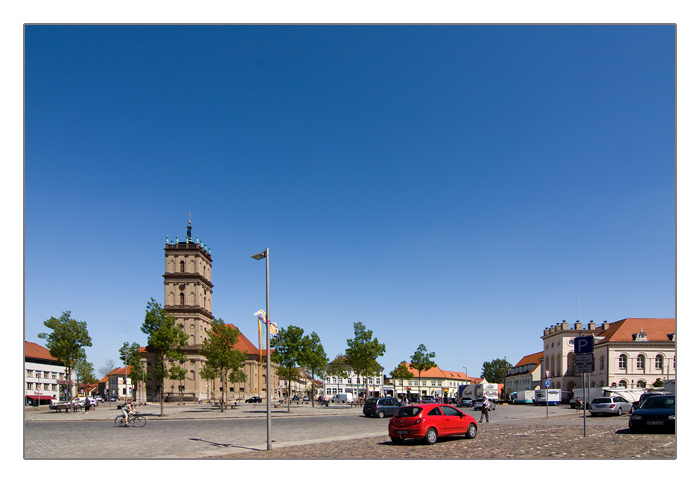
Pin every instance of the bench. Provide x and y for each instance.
(61, 406)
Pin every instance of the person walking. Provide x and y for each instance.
(485, 410)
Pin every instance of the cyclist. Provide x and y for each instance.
(128, 410)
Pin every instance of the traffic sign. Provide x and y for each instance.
(546, 383)
(585, 368)
(583, 344)
(584, 358)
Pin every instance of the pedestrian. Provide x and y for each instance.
(578, 404)
(485, 410)
(87, 404)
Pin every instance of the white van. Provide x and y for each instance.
(342, 397)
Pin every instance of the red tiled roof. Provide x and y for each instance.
(36, 351)
(119, 371)
(656, 330)
(531, 359)
(243, 344)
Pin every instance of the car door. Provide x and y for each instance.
(454, 421)
(436, 419)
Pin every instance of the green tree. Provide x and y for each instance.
(495, 371)
(131, 357)
(85, 373)
(338, 368)
(288, 354)
(66, 342)
(421, 361)
(362, 353)
(401, 373)
(658, 383)
(165, 337)
(314, 358)
(222, 358)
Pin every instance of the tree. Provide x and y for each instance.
(106, 368)
(314, 358)
(223, 359)
(338, 368)
(131, 356)
(362, 353)
(208, 373)
(66, 343)
(495, 371)
(421, 361)
(289, 347)
(402, 373)
(164, 338)
(84, 372)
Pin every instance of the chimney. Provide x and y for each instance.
(591, 325)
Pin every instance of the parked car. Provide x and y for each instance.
(467, 401)
(643, 397)
(655, 413)
(254, 399)
(610, 405)
(427, 400)
(480, 402)
(429, 422)
(79, 402)
(381, 406)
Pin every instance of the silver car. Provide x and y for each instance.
(610, 405)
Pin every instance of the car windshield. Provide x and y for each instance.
(408, 412)
(659, 403)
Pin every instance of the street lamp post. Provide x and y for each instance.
(266, 256)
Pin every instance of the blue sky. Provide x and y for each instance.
(463, 187)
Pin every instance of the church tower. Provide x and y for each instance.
(188, 298)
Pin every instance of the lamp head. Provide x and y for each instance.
(260, 256)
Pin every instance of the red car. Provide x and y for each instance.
(430, 421)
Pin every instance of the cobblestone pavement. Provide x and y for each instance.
(497, 441)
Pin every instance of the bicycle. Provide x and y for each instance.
(135, 420)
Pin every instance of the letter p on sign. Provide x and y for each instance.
(583, 345)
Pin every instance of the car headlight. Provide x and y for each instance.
(672, 416)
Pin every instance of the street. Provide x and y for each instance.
(335, 432)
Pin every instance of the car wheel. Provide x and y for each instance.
(431, 436)
(471, 431)
(380, 414)
(619, 411)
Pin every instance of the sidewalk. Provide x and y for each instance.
(104, 412)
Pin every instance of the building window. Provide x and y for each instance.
(622, 362)
(641, 384)
(182, 266)
(659, 362)
(182, 298)
(640, 362)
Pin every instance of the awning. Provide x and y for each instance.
(40, 398)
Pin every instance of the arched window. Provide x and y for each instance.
(182, 298)
(182, 266)
(602, 364)
(622, 362)
(659, 361)
(640, 362)
(641, 384)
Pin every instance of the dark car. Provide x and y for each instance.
(254, 399)
(644, 396)
(657, 413)
(381, 406)
(430, 421)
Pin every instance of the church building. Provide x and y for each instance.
(188, 294)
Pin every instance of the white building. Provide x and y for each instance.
(631, 353)
(354, 384)
(44, 376)
(525, 375)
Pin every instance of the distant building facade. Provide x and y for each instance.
(525, 375)
(44, 377)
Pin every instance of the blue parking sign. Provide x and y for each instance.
(546, 383)
(583, 345)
